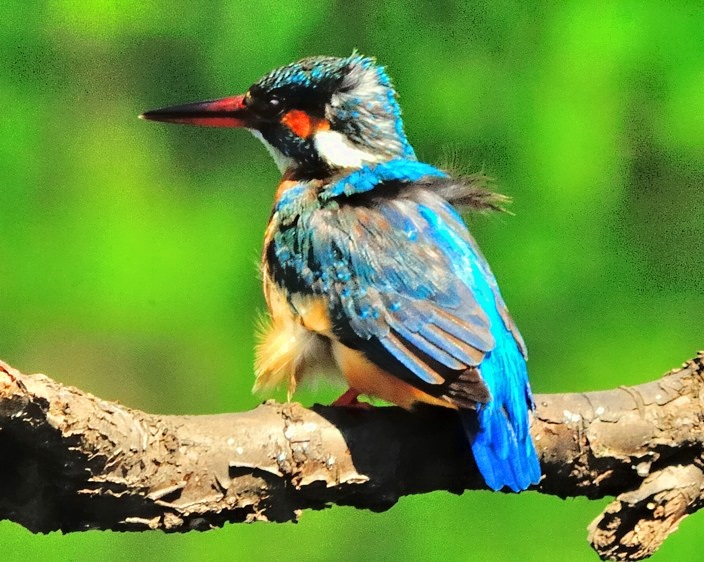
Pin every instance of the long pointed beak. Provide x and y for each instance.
(225, 112)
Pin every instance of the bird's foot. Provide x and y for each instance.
(350, 400)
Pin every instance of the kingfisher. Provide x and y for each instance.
(368, 269)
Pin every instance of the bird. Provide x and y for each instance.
(368, 269)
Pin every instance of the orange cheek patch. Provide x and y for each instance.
(303, 124)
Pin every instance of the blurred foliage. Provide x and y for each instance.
(128, 250)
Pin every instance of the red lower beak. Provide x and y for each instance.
(225, 112)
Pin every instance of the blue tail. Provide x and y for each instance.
(499, 431)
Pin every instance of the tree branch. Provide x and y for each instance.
(71, 461)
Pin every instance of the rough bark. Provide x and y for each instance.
(70, 461)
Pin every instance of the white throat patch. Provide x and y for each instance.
(338, 152)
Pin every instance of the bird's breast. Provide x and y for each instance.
(294, 341)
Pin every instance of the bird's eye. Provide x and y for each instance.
(265, 106)
(274, 103)
(270, 106)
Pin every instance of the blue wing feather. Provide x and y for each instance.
(501, 444)
(408, 286)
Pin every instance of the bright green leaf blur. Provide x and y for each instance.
(128, 249)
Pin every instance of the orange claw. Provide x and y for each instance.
(349, 400)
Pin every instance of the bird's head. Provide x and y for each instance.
(316, 116)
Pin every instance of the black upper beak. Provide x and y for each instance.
(225, 112)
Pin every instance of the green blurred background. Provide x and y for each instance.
(128, 249)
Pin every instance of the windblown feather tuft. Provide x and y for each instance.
(469, 193)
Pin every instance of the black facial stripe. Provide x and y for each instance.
(269, 105)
